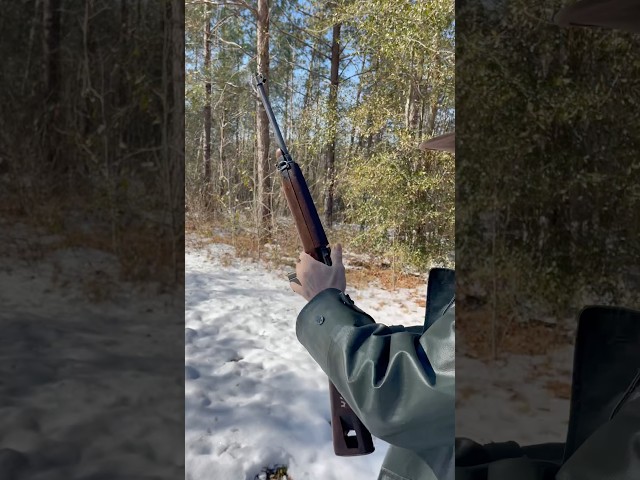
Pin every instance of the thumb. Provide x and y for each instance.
(336, 254)
(278, 153)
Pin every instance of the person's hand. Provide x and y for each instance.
(315, 276)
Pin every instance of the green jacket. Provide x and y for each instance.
(400, 381)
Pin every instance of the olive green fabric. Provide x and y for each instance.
(399, 381)
(605, 365)
(612, 452)
(603, 440)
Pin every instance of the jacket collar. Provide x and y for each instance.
(441, 293)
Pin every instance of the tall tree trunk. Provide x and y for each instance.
(369, 136)
(262, 201)
(285, 123)
(32, 36)
(288, 111)
(207, 108)
(431, 124)
(119, 134)
(304, 135)
(413, 105)
(221, 187)
(51, 47)
(356, 105)
(330, 149)
(176, 136)
(423, 109)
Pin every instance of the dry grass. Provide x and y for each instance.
(276, 472)
(385, 277)
(282, 248)
(226, 260)
(142, 252)
(474, 331)
(519, 399)
(465, 392)
(559, 389)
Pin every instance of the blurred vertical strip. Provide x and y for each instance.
(91, 239)
(546, 201)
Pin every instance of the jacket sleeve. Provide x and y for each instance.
(399, 381)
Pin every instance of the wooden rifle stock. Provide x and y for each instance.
(350, 436)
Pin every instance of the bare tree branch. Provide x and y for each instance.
(225, 3)
(301, 41)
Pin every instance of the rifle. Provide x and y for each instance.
(350, 436)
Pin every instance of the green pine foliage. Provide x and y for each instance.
(396, 90)
(550, 127)
(403, 199)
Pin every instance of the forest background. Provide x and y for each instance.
(91, 136)
(547, 193)
(356, 87)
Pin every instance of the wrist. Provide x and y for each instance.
(317, 293)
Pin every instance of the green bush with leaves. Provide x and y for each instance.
(404, 200)
(551, 134)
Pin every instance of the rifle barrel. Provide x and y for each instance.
(260, 81)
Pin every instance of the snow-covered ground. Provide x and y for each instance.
(87, 389)
(255, 398)
(520, 398)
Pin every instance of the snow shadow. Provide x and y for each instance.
(254, 396)
(87, 396)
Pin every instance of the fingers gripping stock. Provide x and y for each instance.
(350, 436)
